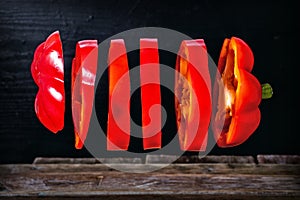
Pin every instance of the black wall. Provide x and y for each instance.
(271, 29)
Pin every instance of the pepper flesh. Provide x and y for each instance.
(118, 124)
(150, 93)
(84, 68)
(237, 95)
(47, 70)
(192, 89)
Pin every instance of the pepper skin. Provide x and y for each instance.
(47, 70)
(237, 95)
(118, 124)
(150, 93)
(84, 69)
(193, 109)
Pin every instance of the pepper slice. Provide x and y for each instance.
(237, 95)
(84, 69)
(47, 70)
(150, 93)
(192, 95)
(118, 124)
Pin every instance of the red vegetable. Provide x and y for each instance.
(150, 93)
(84, 69)
(193, 109)
(118, 124)
(47, 70)
(237, 94)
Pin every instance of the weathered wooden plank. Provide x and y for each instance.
(149, 183)
(220, 168)
(95, 195)
(150, 159)
(197, 159)
(43, 160)
(279, 159)
(69, 178)
(55, 183)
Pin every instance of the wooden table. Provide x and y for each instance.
(212, 177)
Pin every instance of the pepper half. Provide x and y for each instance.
(84, 69)
(192, 95)
(47, 70)
(118, 123)
(237, 95)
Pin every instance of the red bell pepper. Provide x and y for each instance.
(193, 109)
(150, 93)
(237, 95)
(118, 124)
(84, 69)
(47, 70)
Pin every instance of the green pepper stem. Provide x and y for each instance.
(267, 91)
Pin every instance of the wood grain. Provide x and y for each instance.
(190, 181)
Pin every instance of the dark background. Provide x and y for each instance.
(269, 27)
